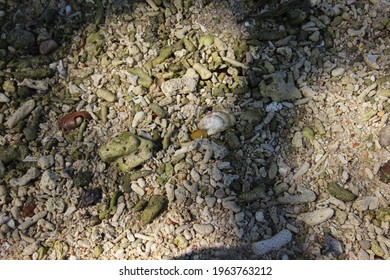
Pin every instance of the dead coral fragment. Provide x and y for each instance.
(156, 205)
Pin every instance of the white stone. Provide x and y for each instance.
(4, 98)
(138, 118)
(49, 180)
(21, 113)
(137, 189)
(366, 203)
(203, 229)
(316, 217)
(338, 72)
(274, 243)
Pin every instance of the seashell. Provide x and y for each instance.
(199, 133)
(217, 121)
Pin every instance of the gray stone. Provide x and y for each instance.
(47, 47)
(384, 136)
(195, 176)
(46, 162)
(180, 194)
(231, 205)
(252, 115)
(220, 193)
(21, 39)
(210, 201)
(4, 98)
(278, 89)
(333, 246)
(305, 196)
(3, 195)
(192, 188)
(2, 169)
(259, 216)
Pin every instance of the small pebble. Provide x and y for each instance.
(338, 72)
(203, 229)
(47, 47)
(210, 201)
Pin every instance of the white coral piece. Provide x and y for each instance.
(275, 243)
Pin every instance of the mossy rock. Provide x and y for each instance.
(252, 115)
(383, 214)
(206, 40)
(232, 140)
(122, 145)
(82, 179)
(156, 205)
(142, 153)
(340, 193)
(15, 152)
(144, 79)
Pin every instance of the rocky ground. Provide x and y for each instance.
(194, 129)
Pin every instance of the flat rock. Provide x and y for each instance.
(203, 229)
(143, 152)
(305, 196)
(184, 85)
(366, 203)
(278, 89)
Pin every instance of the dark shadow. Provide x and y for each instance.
(70, 24)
